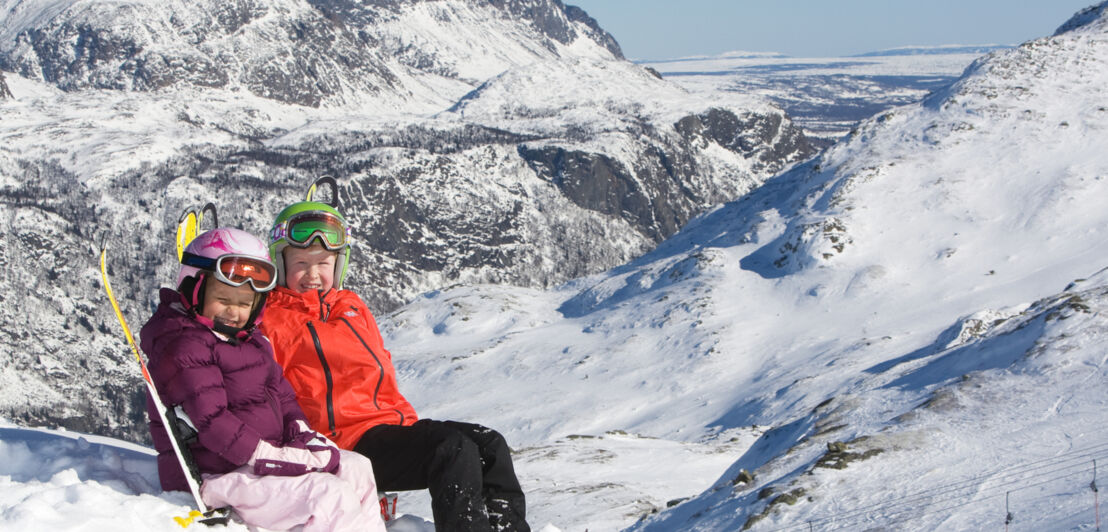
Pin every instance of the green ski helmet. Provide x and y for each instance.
(301, 225)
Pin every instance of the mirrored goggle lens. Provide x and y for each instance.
(305, 228)
(237, 271)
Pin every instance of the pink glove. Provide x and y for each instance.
(293, 459)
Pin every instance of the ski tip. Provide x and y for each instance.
(208, 208)
(325, 180)
(218, 516)
(187, 520)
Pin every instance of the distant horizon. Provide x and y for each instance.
(654, 30)
(883, 51)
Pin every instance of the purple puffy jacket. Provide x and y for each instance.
(235, 394)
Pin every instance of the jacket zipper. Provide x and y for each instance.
(327, 377)
(380, 369)
(324, 307)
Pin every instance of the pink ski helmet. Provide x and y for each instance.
(234, 256)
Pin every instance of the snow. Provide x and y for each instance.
(754, 63)
(925, 304)
(57, 480)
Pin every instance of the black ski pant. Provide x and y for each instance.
(466, 467)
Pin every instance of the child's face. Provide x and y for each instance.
(311, 268)
(226, 304)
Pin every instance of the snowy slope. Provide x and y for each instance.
(936, 233)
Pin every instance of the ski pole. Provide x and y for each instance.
(204, 515)
(1096, 497)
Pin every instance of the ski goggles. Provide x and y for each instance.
(300, 230)
(237, 270)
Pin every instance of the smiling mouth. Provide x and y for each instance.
(225, 321)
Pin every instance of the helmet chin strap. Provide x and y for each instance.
(233, 334)
(192, 290)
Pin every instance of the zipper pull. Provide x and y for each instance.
(324, 308)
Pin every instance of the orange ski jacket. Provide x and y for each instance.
(332, 354)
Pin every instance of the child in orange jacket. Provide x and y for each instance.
(328, 343)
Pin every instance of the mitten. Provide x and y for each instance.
(293, 459)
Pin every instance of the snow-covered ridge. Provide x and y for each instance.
(388, 55)
(939, 437)
(1042, 97)
(1090, 19)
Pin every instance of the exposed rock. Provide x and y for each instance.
(744, 477)
(789, 498)
(765, 138)
(658, 195)
(838, 456)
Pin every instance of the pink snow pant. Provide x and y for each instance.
(324, 502)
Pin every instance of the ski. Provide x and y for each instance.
(210, 517)
(325, 180)
(189, 224)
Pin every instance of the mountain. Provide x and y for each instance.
(474, 142)
(5, 92)
(395, 54)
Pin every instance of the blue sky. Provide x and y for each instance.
(665, 29)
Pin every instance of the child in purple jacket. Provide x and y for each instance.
(253, 446)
